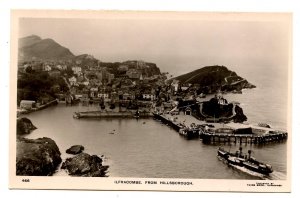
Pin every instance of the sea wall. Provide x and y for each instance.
(51, 103)
(109, 114)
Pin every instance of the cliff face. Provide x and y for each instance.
(39, 157)
(213, 78)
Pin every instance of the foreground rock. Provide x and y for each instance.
(85, 165)
(39, 157)
(24, 126)
(76, 149)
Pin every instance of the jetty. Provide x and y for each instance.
(112, 114)
(181, 126)
(211, 138)
(211, 133)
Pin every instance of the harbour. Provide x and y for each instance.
(132, 118)
(146, 147)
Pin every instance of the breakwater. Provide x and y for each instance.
(217, 133)
(111, 114)
(188, 132)
(243, 138)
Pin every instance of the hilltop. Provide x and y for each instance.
(35, 48)
(213, 78)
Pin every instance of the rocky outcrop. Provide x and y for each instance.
(85, 165)
(24, 126)
(219, 110)
(211, 79)
(37, 157)
(76, 149)
(239, 116)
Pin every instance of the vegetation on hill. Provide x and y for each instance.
(35, 48)
(39, 86)
(213, 78)
(29, 40)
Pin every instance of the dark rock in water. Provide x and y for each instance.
(37, 157)
(24, 126)
(218, 109)
(85, 165)
(76, 149)
(239, 117)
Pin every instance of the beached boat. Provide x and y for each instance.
(238, 159)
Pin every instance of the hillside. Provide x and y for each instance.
(33, 47)
(212, 78)
(29, 40)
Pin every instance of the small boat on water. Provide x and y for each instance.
(246, 161)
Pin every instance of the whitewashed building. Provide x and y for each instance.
(77, 70)
(73, 80)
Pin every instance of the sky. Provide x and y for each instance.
(176, 46)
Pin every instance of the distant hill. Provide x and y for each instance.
(212, 78)
(86, 60)
(29, 40)
(33, 47)
(37, 49)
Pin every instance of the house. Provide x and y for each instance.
(47, 68)
(185, 87)
(73, 80)
(128, 96)
(77, 70)
(188, 111)
(149, 96)
(222, 101)
(59, 67)
(86, 83)
(27, 104)
(175, 86)
(78, 96)
(94, 92)
(103, 95)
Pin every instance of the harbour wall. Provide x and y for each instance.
(110, 114)
(213, 137)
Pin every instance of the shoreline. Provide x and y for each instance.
(41, 107)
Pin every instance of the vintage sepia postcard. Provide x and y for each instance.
(139, 100)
